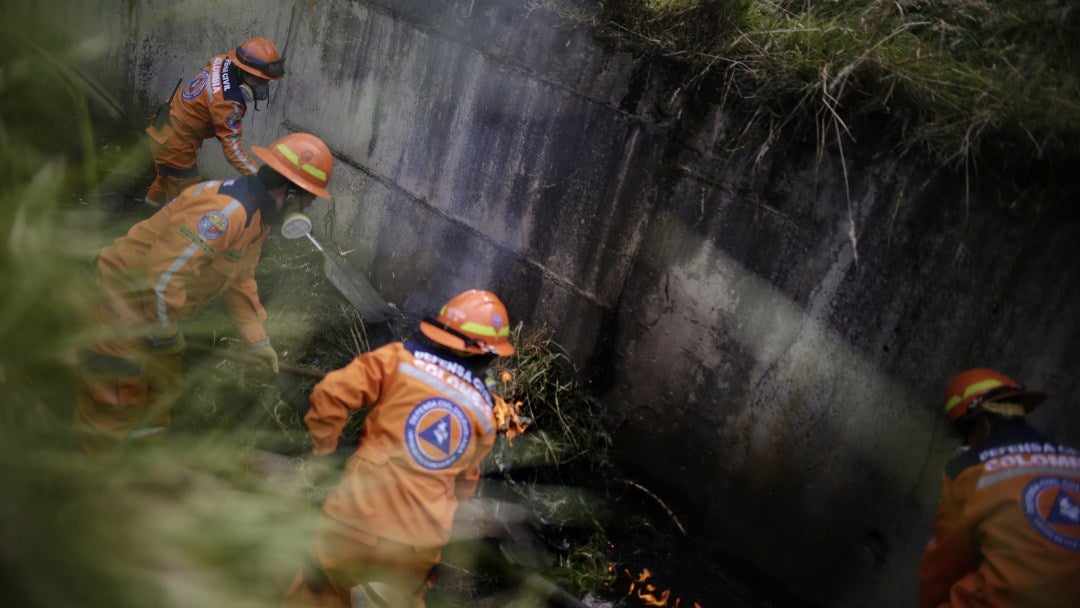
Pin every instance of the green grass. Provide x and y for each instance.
(563, 468)
(985, 87)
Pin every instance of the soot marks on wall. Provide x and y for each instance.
(349, 38)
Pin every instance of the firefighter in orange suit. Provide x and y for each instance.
(429, 425)
(213, 104)
(1007, 531)
(205, 242)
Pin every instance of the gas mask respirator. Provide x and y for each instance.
(259, 92)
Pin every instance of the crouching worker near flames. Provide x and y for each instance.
(203, 243)
(431, 421)
(1007, 531)
(212, 104)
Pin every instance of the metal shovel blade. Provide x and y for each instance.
(355, 287)
(357, 290)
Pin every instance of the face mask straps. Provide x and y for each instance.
(302, 198)
(256, 93)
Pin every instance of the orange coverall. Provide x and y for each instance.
(203, 243)
(211, 105)
(429, 427)
(1007, 532)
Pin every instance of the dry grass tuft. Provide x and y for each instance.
(964, 84)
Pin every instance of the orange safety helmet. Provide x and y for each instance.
(301, 158)
(971, 390)
(473, 321)
(260, 57)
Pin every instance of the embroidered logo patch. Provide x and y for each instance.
(212, 224)
(437, 433)
(196, 86)
(233, 120)
(1052, 505)
(190, 235)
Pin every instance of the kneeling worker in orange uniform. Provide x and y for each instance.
(1007, 533)
(431, 422)
(213, 104)
(203, 243)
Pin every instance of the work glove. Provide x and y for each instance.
(263, 349)
(166, 340)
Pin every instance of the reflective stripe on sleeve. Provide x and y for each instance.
(163, 282)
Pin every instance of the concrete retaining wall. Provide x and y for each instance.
(771, 345)
(800, 387)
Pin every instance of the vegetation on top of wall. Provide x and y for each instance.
(974, 85)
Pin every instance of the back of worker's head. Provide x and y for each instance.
(473, 323)
(986, 396)
(298, 159)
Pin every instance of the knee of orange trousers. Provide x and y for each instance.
(112, 409)
(155, 196)
(166, 187)
(305, 593)
(343, 557)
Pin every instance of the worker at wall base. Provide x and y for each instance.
(430, 422)
(212, 104)
(1007, 532)
(204, 243)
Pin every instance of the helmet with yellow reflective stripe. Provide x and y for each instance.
(301, 158)
(979, 389)
(260, 57)
(473, 321)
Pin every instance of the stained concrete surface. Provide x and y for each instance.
(769, 329)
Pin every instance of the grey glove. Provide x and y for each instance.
(165, 344)
(263, 349)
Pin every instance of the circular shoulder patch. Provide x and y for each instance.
(437, 433)
(1052, 505)
(234, 119)
(196, 86)
(212, 224)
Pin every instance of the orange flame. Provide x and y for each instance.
(508, 418)
(649, 593)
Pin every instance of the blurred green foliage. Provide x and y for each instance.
(195, 520)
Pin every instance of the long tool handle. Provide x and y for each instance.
(316, 243)
(235, 355)
(356, 289)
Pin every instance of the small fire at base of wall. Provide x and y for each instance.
(651, 590)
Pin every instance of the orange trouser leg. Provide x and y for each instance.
(166, 187)
(343, 558)
(121, 400)
(174, 161)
